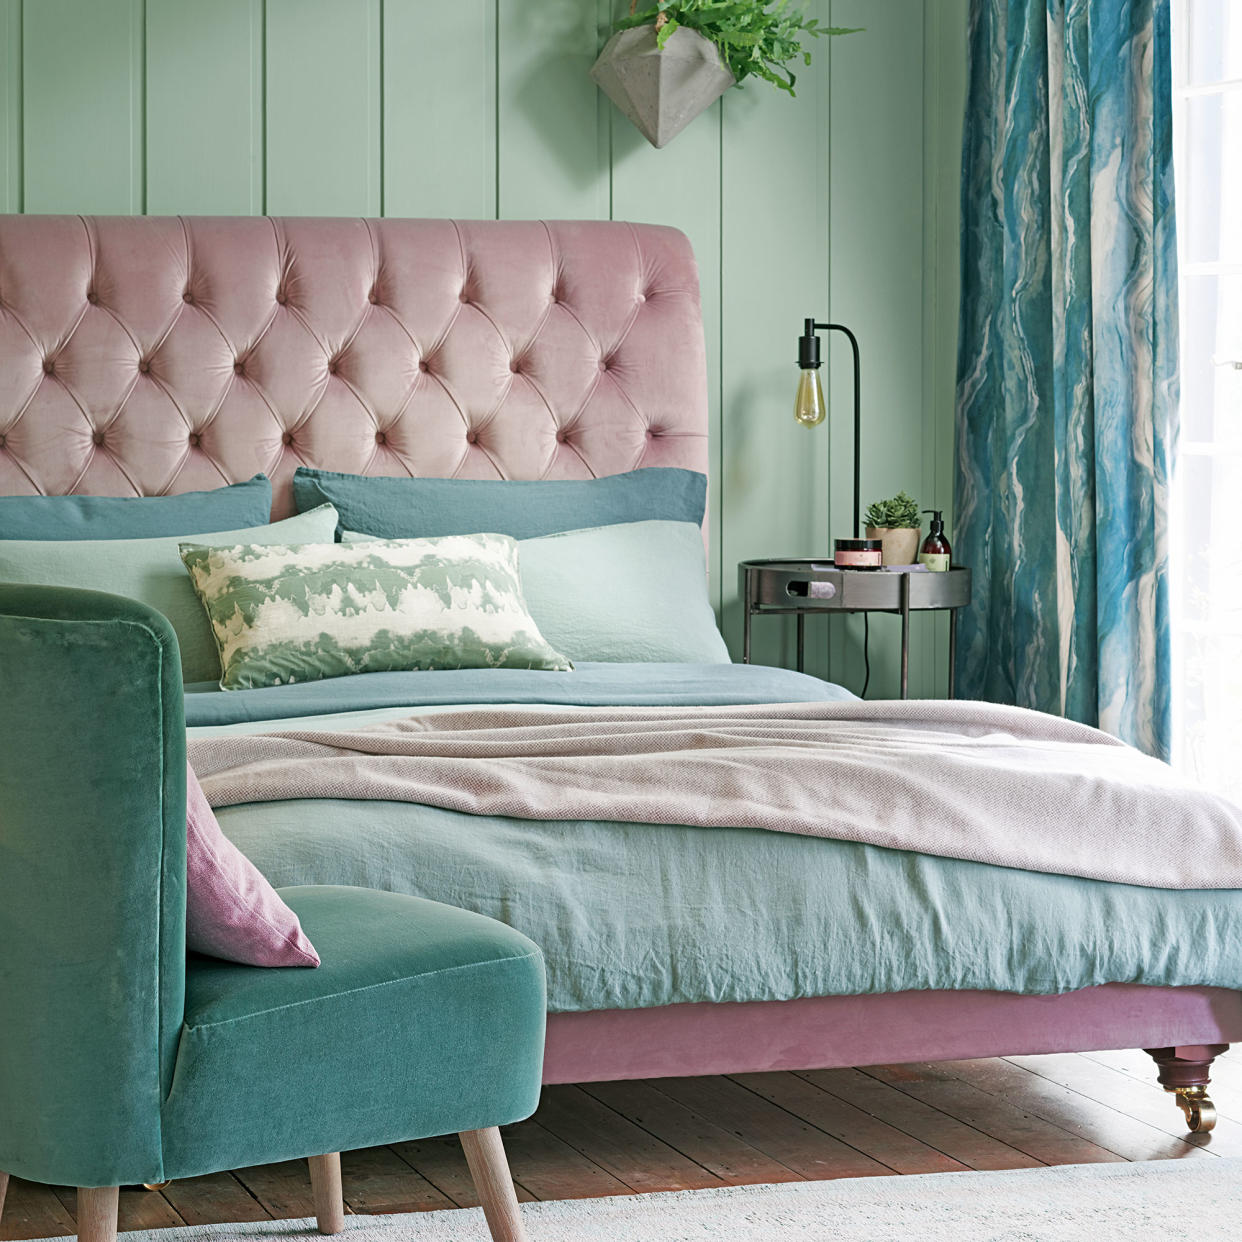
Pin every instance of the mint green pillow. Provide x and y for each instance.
(633, 593)
(150, 570)
(311, 611)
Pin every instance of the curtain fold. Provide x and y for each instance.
(1067, 364)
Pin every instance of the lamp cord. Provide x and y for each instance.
(866, 655)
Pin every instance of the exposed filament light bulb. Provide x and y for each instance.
(809, 402)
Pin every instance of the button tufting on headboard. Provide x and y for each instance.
(258, 325)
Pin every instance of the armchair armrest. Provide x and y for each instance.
(92, 883)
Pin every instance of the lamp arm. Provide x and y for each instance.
(840, 327)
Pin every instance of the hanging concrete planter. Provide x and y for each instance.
(661, 91)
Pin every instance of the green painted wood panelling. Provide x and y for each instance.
(10, 105)
(841, 203)
(439, 74)
(944, 95)
(553, 125)
(878, 275)
(775, 210)
(82, 92)
(205, 144)
(323, 92)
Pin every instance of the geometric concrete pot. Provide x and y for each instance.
(661, 91)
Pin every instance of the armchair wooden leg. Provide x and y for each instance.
(97, 1213)
(485, 1154)
(4, 1186)
(325, 1175)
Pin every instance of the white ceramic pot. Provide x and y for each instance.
(901, 543)
(661, 91)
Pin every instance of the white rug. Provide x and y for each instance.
(1199, 1199)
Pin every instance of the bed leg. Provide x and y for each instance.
(1183, 1071)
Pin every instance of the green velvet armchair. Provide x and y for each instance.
(122, 1061)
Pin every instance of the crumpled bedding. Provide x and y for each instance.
(967, 780)
(635, 915)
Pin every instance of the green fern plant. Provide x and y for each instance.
(756, 38)
(901, 511)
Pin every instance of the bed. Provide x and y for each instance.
(154, 356)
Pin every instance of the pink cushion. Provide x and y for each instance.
(231, 911)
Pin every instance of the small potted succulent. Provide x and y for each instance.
(897, 524)
(670, 60)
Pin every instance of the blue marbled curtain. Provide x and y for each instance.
(1067, 367)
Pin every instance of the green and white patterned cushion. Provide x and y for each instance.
(303, 612)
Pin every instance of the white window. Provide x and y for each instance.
(1206, 516)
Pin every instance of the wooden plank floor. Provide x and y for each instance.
(621, 1138)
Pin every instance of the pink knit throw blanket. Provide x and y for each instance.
(963, 780)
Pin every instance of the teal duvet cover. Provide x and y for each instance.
(635, 915)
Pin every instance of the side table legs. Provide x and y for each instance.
(952, 653)
(905, 635)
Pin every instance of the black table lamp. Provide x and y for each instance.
(809, 403)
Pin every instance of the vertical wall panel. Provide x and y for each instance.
(323, 108)
(440, 108)
(10, 105)
(944, 95)
(774, 273)
(553, 123)
(205, 107)
(82, 105)
(681, 188)
(877, 284)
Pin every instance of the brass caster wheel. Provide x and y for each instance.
(1199, 1110)
(156, 1185)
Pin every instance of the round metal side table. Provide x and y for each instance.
(802, 587)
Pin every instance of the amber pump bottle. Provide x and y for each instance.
(936, 552)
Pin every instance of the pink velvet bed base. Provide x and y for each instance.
(145, 356)
(828, 1032)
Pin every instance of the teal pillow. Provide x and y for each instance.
(307, 612)
(136, 517)
(150, 570)
(406, 508)
(635, 593)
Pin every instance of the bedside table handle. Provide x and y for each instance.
(803, 588)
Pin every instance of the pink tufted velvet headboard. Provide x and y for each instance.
(149, 355)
